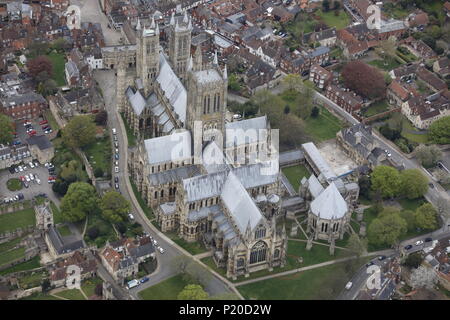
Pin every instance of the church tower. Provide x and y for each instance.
(147, 55)
(180, 44)
(207, 99)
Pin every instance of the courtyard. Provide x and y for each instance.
(336, 157)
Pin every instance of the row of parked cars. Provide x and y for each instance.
(24, 167)
(31, 131)
(15, 198)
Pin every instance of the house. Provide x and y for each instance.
(61, 270)
(281, 14)
(404, 72)
(61, 247)
(41, 148)
(430, 79)
(326, 38)
(419, 48)
(28, 105)
(72, 73)
(359, 144)
(347, 100)
(418, 18)
(423, 110)
(397, 94)
(11, 155)
(320, 76)
(442, 67)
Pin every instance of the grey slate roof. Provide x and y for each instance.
(142, 250)
(203, 212)
(245, 131)
(240, 205)
(173, 175)
(60, 244)
(41, 141)
(312, 151)
(173, 147)
(329, 204)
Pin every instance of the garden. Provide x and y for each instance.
(295, 174)
(14, 184)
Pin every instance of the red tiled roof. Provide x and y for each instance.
(399, 90)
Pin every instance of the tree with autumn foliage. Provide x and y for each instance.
(365, 80)
(40, 64)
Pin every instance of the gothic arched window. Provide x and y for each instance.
(260, 232)
(276, 253)
(258, 252)
(240, 262)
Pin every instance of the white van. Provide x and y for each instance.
(114, 130)
(132, 284)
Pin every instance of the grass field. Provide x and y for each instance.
(376, 108)
(5, 246)
(193, 247)
(32, 280)
(299, 286)
(30, 264)
(88, 286)
(295, 174)
(19, 219)
(64, 231)
(71, 294)
(11, 255)
(330, 19)
(385, 65)
(99, 154)
(59, 63)
(14, 184)
(407, 132)
(166, 290)
(57, 216)
(324, 127)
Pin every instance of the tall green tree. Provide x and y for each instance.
(414, 183)
(357, 245)
(439, 131)
(387, 229)
(386, 180)
(79, 201)
(79, 132)
(428, 156)
(426, 217)
(6, 129)
(114, 206)
(193, 292)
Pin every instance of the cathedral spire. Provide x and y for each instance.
(157, 29)
(190, 64)
(190, 24)
(185, 18)
(225, 73)
(215, 61)
(172, 19)
(152, 25)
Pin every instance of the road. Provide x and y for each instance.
(360, 278)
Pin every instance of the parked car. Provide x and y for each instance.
(27, 178)
(26, 185)
(17, 142)
(116, 169)
(381, 258)
(31, 165)
(116, 156)
(116, 144)
(409, 246)
(117, 150)
(21, 196)
(38, 181)
(145, 279)
(45, 127)
(43, 122)
(31, 177)
(370, 263)
(130, 216)
(116, 186)
(161, 250)
(155, 243)
(116, 179)
(116, 163)
(115, 138)
(114, 131)
(16, 169)
(428, 239)
(20, 168)
(419, 242)
(48, 131)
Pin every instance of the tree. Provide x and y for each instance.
(180, 263)
(336, 5)
(46, 285)
(315, 112)
(114, 206)
(79, 201)
(428, 156)
(293, 132)
(423, 277)
(387, 229)
(98, 172)
(386, 180)
(38, 48)
(60, 44)
(293, 81)
(364, 79)
(101, 118)
(6, 129)
(357, 245)
(408, 216)
(79, 132)
(414, 183)
(193, 292)
(233, 83)
(439, 131)
(93, 232)
(364, 186)
(197, 274)
(414, 260)
(40, 64)
(426, 217)
(99, 289)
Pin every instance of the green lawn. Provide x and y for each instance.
(10, 244)
(295, 174)
(14, 184)
(11, 255)
(407, 132)
(386, 65)
(32, 280)
(19, 219)
(30, 264)
(324, 127)
(166, 290)
(59, 63)
(191, 247)
(339, 22)
(57, 216)
(376, 108)
(88, 286)
(64, 231)
(299, 286)
(130, 136)
(40, 296)
(71, 294)
(99, 154)
(148, 211)
(296, 249)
